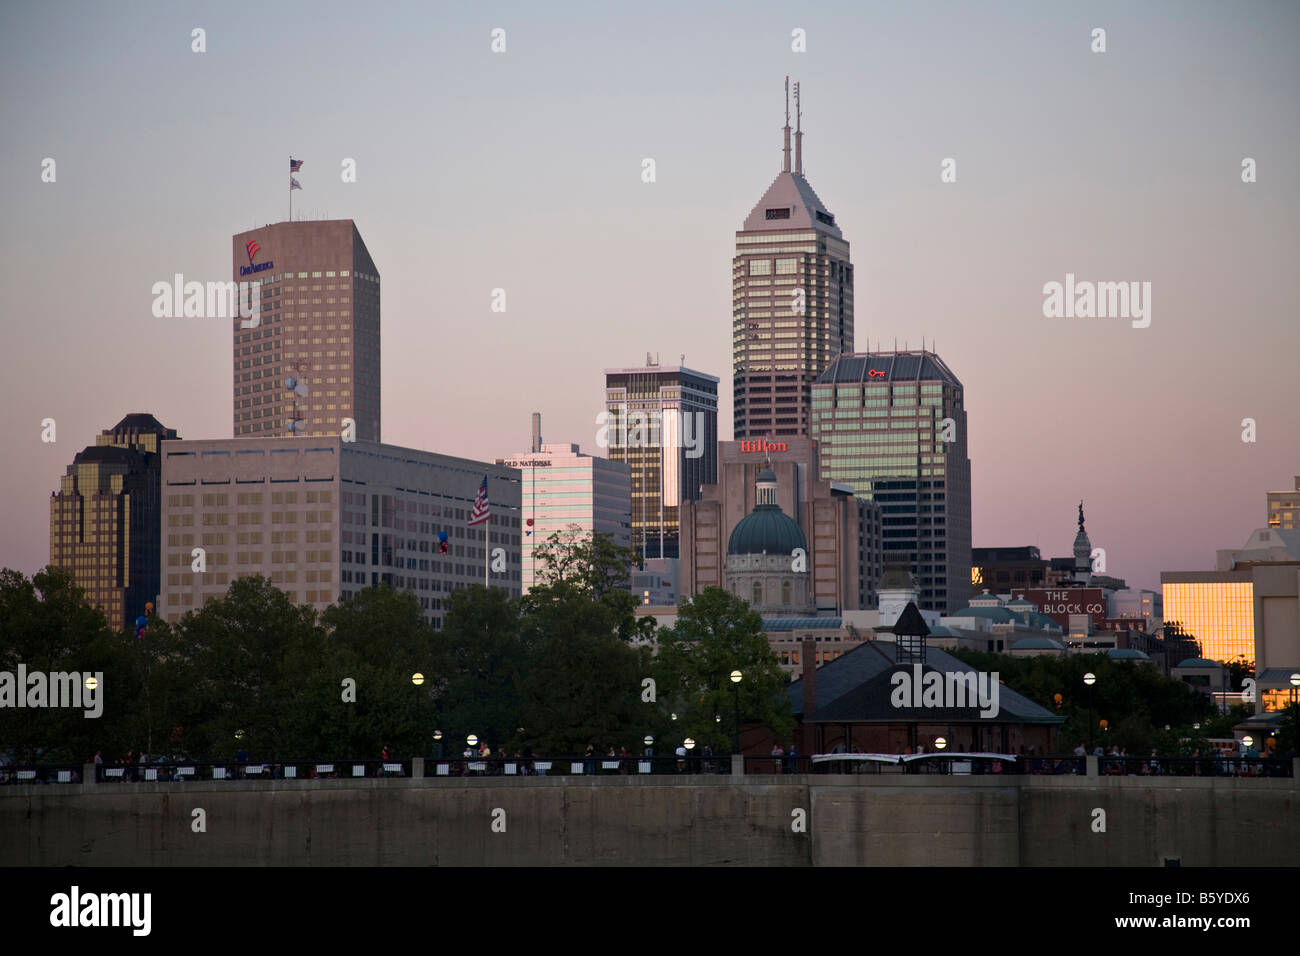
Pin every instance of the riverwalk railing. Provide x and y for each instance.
(179, 770)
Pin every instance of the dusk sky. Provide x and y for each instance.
(522, 171)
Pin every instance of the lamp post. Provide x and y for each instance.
(649, 745)
(689, 744)
(417, 679)
(736, 678)
(940, 743)
(1295, 712)
(437, 744)
(1090, 678)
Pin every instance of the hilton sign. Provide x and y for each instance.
(762, 445)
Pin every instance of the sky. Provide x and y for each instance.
(521, 170)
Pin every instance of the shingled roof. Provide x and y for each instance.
(855, 688)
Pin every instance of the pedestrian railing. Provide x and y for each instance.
(176, 770)
(582, 766)
(1198, 766)
(32, 774)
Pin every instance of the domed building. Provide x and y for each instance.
(767, 556)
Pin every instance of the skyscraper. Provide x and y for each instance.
(792, 300)
(563, 489)
(105, 519)
(319, 326)
(662, 421)
(893, 426)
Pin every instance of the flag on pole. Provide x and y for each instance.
(294, 184)
(481, 511)
(294, 164)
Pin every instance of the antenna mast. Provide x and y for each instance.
(798, 132)
(785, 166)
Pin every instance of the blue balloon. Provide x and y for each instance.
(141, 621)
(442, 536)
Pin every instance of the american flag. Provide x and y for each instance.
(481, 511)
(294, 164)
(293, 184)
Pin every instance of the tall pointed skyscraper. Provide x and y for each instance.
(792, 300)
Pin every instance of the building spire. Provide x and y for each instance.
(1081, 515)
(785, 165)
(798, 132)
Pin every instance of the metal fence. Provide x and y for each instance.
(584, 766)
(182, 771)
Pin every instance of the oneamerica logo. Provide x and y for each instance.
(103, 909)
(253, 249)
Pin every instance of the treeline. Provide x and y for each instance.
(1137, 701)
(567, 666)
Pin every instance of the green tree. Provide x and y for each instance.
(250, 653)
(1134, 699)
(380, 639)
(46, 625)
(583, 675)
(717, 633)
(479, 660)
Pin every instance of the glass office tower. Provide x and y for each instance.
(892, 425)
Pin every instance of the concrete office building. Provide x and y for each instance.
(792, 301)
(1144, 608)
(892, 426)
(562, 489)
(662, 423)
(319, 325)
(1001, 569)
(323, 518)
(1284, 508)
(105, 518)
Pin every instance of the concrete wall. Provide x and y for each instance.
(869, 820)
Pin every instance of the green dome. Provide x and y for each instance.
(766, 530)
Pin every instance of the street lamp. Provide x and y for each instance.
(1090, 678)
(649, 743)
(437, 743)
(417, 679)
(689, 744)
(736, 678)
(940, 743)
(1295, 705)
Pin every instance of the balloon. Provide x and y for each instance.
(148, 607)
(141, 621)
